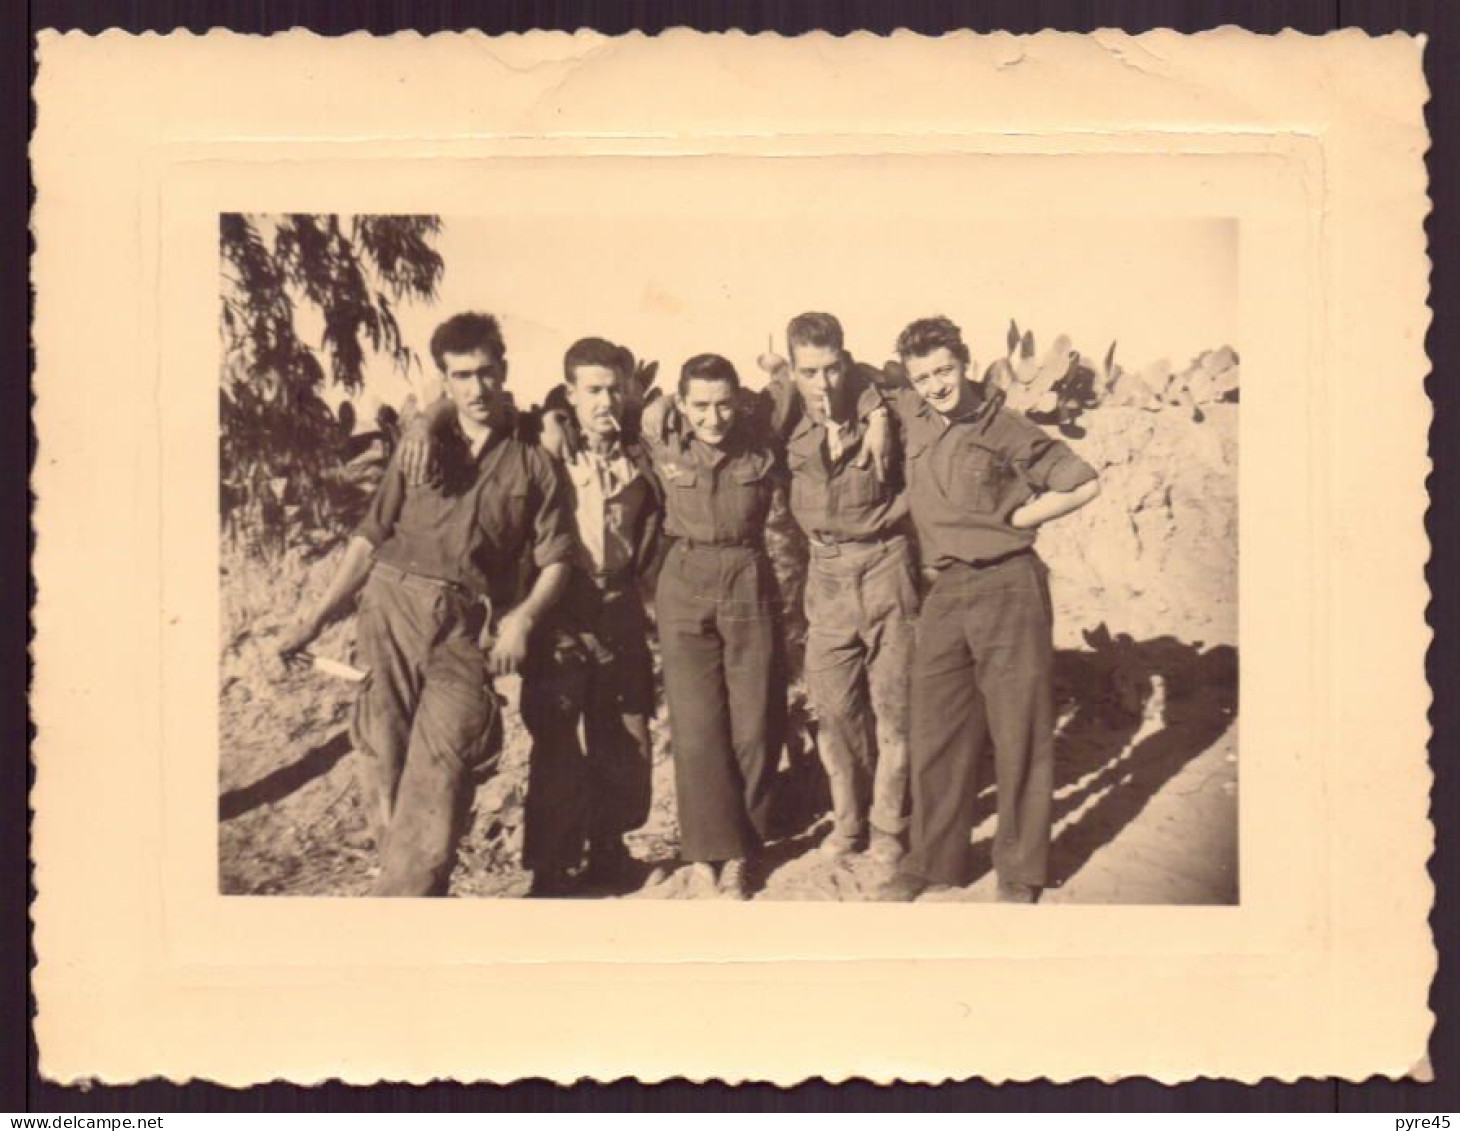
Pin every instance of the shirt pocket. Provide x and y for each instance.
(686, 500)
(859, 486)
(915, 462)
(986, 481)
(503, 517)
(746, 489)
(807, 491)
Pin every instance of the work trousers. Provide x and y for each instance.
(588, 664)
(725, 679)
(428, 720)
(982, 674)
(861, 606)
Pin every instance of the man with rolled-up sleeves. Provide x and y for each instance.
(981, 481)
(434, 561)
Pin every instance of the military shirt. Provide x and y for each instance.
(830, 494)
(717, 496)
(967, 476)
(481, 523)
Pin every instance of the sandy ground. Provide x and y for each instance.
(1146, 750)
(1145, 797)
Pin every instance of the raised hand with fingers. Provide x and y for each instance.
(292, 647)
(877, 445)
(417, 451)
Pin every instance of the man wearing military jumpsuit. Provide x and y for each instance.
(591, 663)
(981, 480)
(433, 561)
(718, 617)
(861, 593)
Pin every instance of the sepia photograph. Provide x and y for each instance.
(732, 557)
(737, 553)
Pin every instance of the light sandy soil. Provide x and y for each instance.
(1146, 764)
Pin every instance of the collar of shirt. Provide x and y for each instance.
(707, 455)
(609, 471)
(980, 414)
(808, 434)
(456, 445)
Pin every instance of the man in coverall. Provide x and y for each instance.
(718, 613)
(434, 561)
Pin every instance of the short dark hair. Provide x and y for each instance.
(813, 329)
(462, 333)
(597, 351)
(707, 367)
(922, 337)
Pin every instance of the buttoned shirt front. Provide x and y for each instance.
(830, 494)
(714, 495)
(479, 524)
(966, 476)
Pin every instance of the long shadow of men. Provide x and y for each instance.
(278, 784)
(1134, 713)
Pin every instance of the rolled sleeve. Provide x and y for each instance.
(1049, 464)
(379, 522)
(552, 521)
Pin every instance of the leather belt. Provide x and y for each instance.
(830, 541)
(827, 546)
(395, 573)
(732, 544)
(987, 563)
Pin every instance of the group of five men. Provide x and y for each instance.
(536, 555)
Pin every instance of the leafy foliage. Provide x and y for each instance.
(281, 444)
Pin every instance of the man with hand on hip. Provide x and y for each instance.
(981, 481)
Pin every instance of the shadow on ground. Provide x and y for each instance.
(279, 784)
(1134, 713)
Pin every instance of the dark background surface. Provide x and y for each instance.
(21, 1090)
